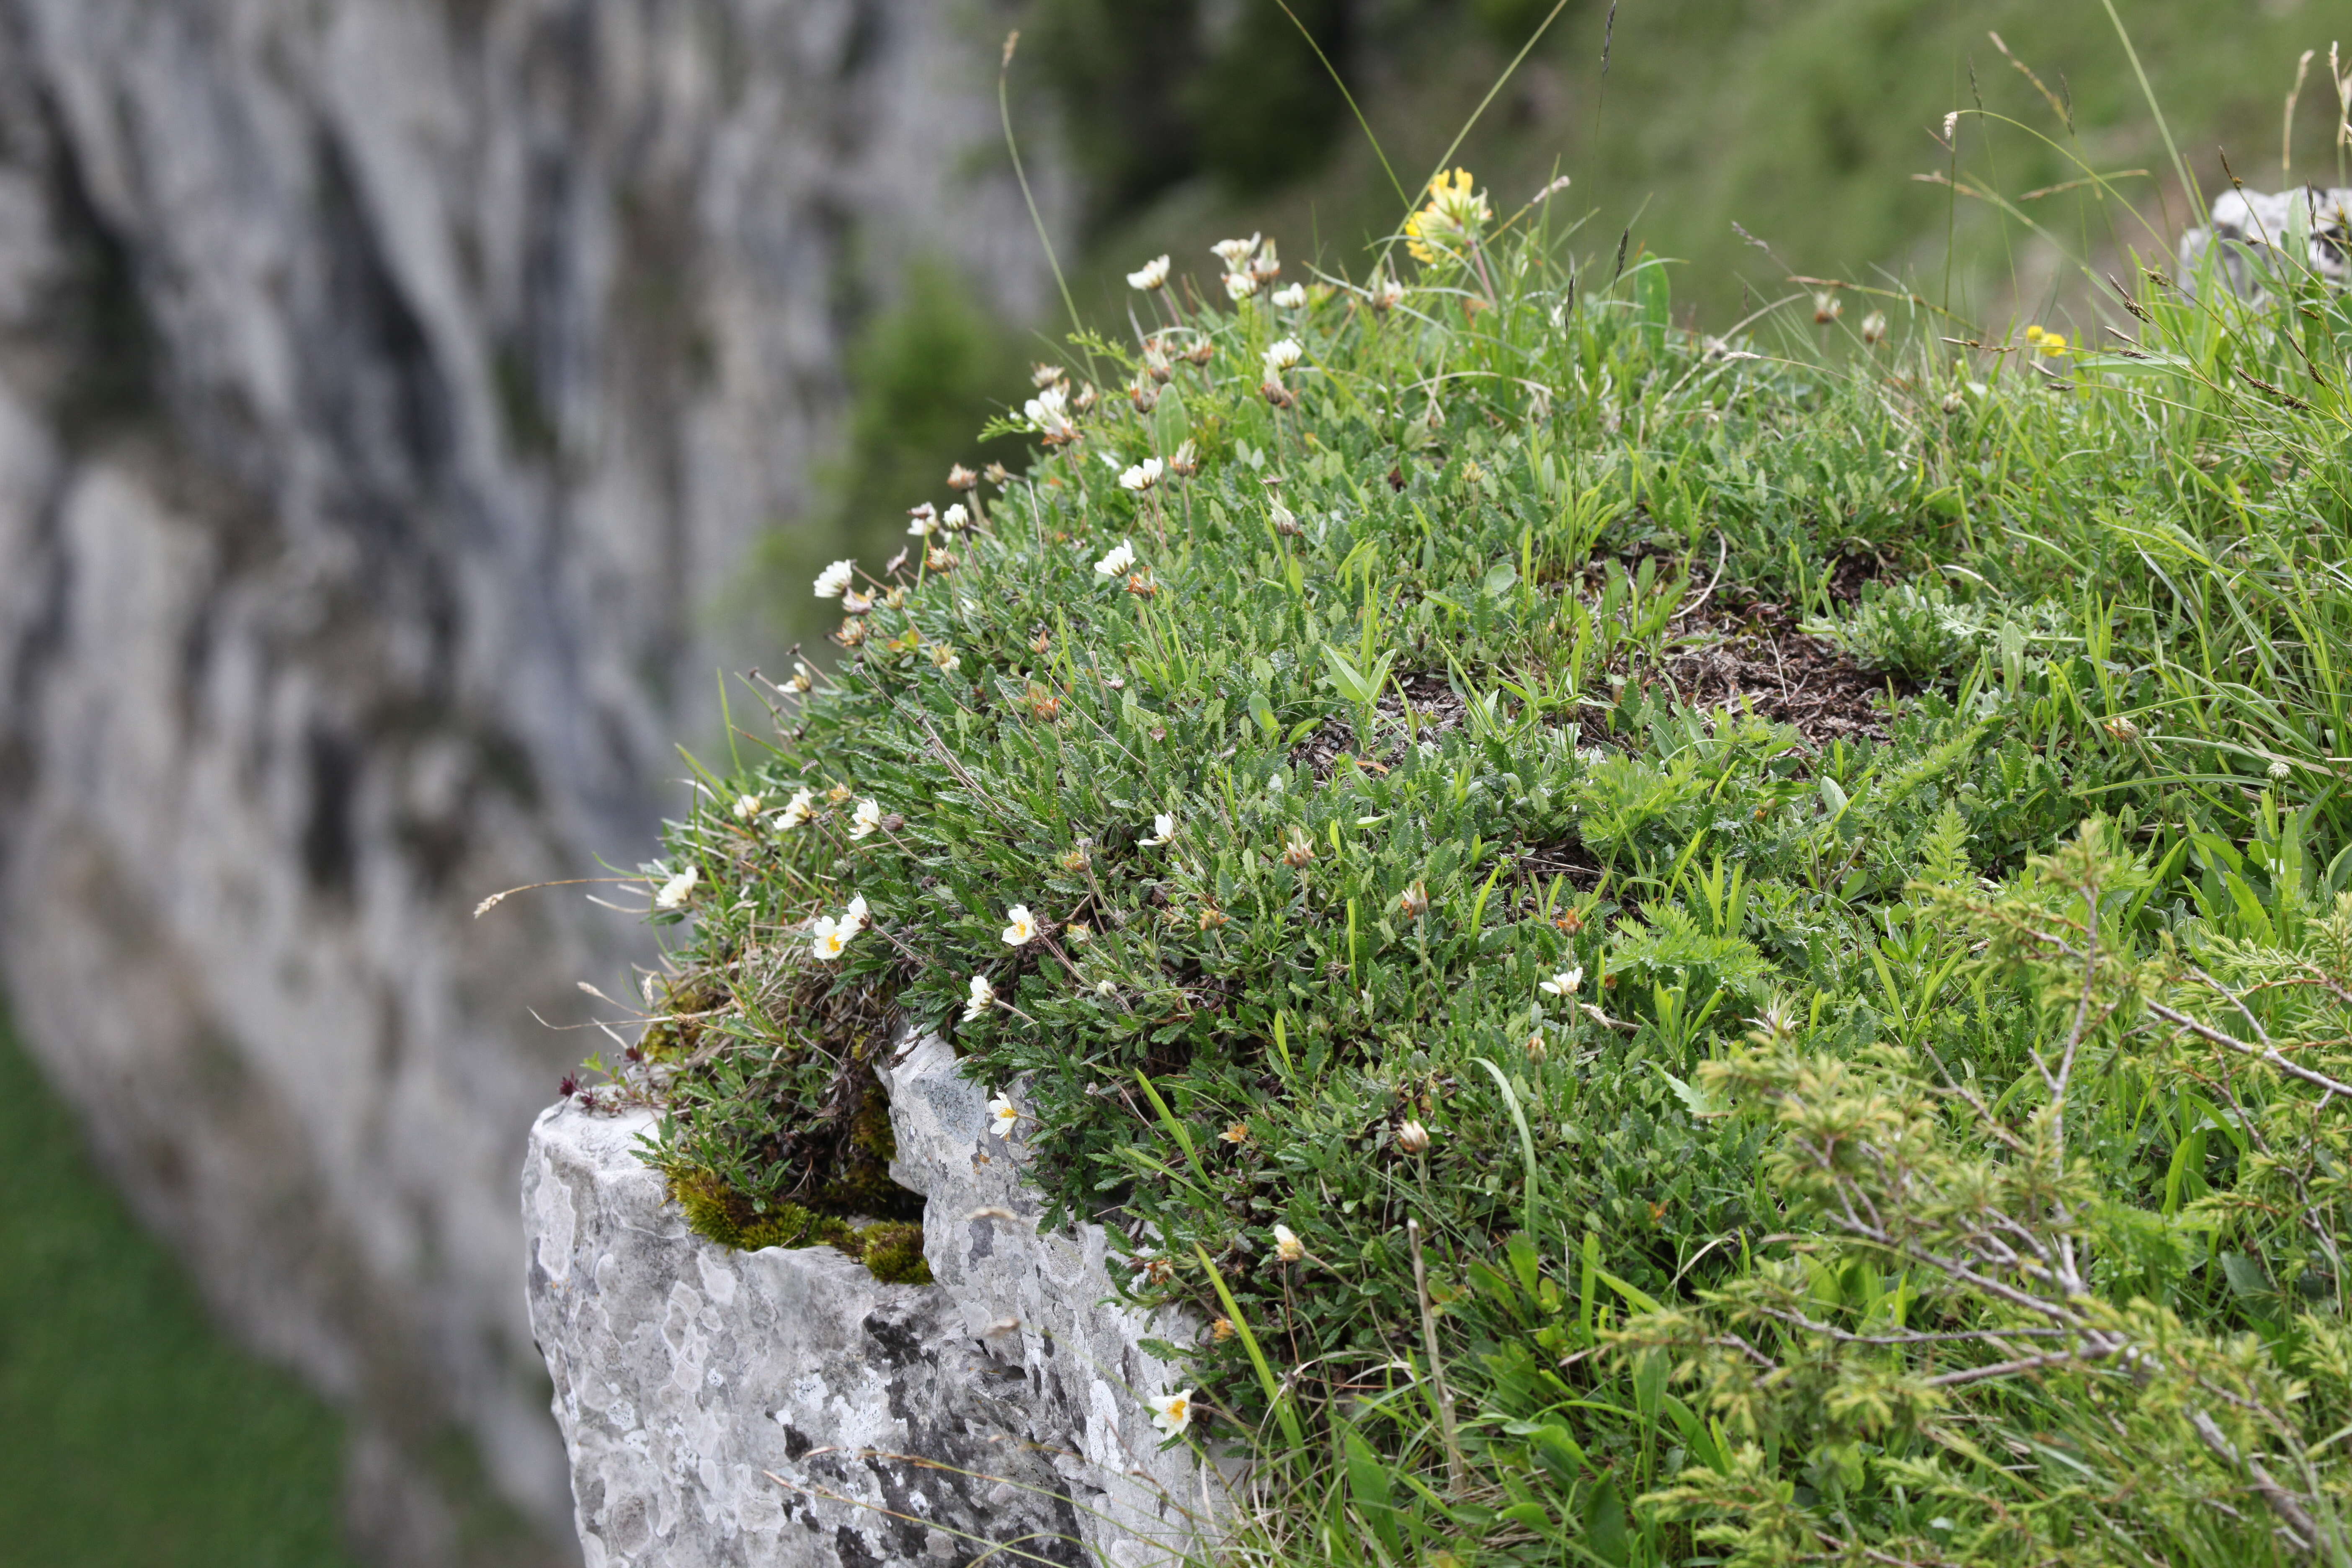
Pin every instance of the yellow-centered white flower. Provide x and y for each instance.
(1119, 562)
(1151, 275)
(835, 578)
(1003, 1115)
(1172, 1412)
(796, 810)
(678, 890)
(1163, 830)
(1143, 476)
(829, 937)
(865, 819)
(1287, 1244)
(747, 806)
(1281, 354)
(983, 997)
(1564, 983)
(1019, 926)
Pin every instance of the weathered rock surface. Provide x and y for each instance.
(2309, 227)
(390, 391)
(782, 1408)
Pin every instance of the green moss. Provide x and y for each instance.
(717, 1212)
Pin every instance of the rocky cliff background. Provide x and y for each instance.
(390, 393)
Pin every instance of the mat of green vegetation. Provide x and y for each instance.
(1799, 883)
(131, 1433)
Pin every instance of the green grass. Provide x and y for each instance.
(130, 1432)
(1921, 1135)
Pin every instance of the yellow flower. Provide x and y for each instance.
(1455, 210)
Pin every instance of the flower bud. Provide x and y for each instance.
(1412, 1138)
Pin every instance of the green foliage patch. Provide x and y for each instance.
(1593, 1123)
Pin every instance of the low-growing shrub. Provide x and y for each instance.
(1616, 1078)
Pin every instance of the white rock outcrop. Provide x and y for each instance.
(782, 1408)
(2309, 226)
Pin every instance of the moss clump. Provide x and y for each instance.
(716, 1211)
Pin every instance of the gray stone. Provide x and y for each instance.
(782, 1408)
(2305, 227)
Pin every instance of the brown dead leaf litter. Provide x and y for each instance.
(1750, 659)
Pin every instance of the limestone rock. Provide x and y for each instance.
(2309, 227)
(783, 1407)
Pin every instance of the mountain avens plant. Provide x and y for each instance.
(1687, 951)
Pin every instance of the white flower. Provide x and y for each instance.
(1281, 354)
(983, 997)
(1048, 414)
(747, 806)
(956, 516)
(1564, 983)
(865, 819)
(1385, 293)
(1172, 1412)
(1021, 926)
(1163, 830)
(829, 938)
(1143, 476)
(835, 578)
(923, 524)
(1236, 253)
(797, 811)
(854, 918)
(678, 890)
(1287, 1244)
(1119, 562)
(1240, 286)
(1290, 296)
(1151, 275)
(1003, 1115)
(2280, 770)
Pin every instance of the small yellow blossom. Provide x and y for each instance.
(1451, 221)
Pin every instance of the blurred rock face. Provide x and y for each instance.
(389, 390)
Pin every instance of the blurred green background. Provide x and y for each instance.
(129, 1434)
